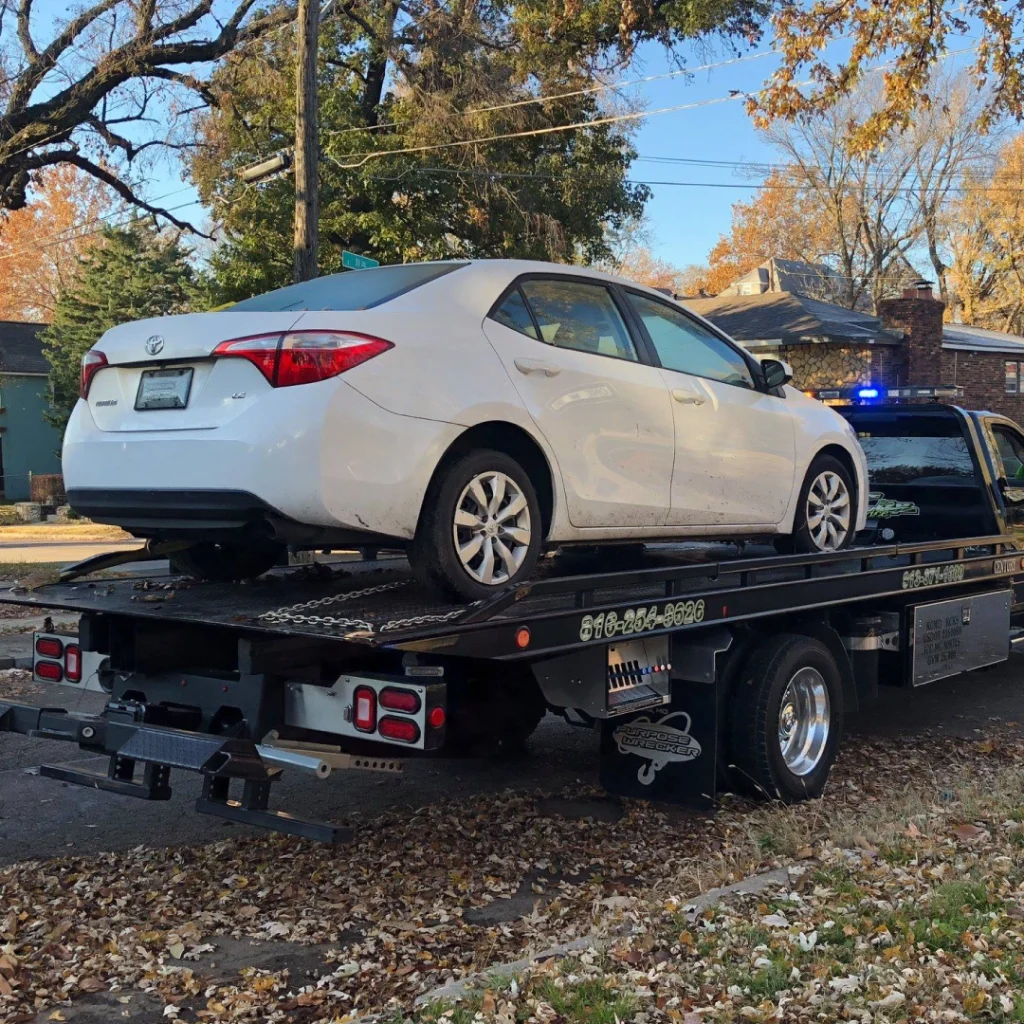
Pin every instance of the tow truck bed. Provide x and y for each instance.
(380, 604)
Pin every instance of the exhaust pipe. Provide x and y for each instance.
(279, 758)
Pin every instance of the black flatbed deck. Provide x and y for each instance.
(382, 605)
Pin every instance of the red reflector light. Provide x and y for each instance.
(92, 362)
(49, 647)
(402, 729)
(436, 718)
(303, 357)
(73, 663)
(49, 670)
(522, 637)
(364, 708)
(392, 699)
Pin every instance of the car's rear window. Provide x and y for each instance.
(904, 449)
(356, 289)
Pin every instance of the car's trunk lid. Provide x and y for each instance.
(179, 349)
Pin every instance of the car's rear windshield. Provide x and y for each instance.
(905, 449)
(356, 289)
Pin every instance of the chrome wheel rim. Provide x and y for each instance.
(828, 511)
(492, 529)
(805, 717)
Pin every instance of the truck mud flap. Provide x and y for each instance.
(668, 753)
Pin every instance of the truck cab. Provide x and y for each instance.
(939, 471)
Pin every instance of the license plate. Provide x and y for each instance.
(164, 389)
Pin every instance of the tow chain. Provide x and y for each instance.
(296, 614)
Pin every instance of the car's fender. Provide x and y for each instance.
(818, 427)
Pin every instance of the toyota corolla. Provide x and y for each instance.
(474, 412)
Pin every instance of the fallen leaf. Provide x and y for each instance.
(967, 832)
(92, 984)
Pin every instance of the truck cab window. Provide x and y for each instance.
(1010, 447)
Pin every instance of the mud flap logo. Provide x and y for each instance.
(657, 742)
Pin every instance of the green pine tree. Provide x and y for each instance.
(134, 271)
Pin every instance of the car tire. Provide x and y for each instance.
(453, 557)
(825, 472)
(224, 562)
(785, 719)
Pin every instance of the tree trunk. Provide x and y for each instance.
(306, 145)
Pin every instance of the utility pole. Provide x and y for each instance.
(307, 206)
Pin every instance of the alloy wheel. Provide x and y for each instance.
(492, 528)
(805, 716)
(828, 511)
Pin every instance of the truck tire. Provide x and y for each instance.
(492, 716)
(786, 718)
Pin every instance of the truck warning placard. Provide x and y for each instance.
(958, 635)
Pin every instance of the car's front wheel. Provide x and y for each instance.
(224, 562)
(480, 529)
(825, 513)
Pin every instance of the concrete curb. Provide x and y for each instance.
(456, 990)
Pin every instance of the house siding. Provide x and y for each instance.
(29, 444)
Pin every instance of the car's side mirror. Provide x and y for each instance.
(776, 372)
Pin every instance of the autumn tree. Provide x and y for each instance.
(42, 243)
(986, 238)
(910, 37)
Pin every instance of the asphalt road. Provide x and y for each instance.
(40, 817)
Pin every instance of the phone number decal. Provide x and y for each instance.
(930, 575)
(638, 620)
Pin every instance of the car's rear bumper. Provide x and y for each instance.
(320, 455)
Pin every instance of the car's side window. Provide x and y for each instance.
(513, 313)
(581, 316)
(683, 344)
(1011, 453)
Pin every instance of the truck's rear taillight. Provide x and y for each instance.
(51, 671)
(49, 647)
(364, 708)
(73, 663)
(303, 357)
(393, 699)
(92, 362)
(404, 730)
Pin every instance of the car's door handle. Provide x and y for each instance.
(688, 397)
(537, 366)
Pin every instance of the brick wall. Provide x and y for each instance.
(922, 359)
(982, 375)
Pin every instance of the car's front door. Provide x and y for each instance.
(605, 414)
(735, 444)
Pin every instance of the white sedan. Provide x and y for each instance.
(475, 412)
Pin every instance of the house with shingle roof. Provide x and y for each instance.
(29, 445)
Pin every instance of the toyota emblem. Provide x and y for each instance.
(154, 345)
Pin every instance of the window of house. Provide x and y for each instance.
(683, 344)
(1012, 378)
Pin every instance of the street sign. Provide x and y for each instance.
(353, 261)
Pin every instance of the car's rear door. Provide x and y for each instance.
(735, 443)
(606, 414)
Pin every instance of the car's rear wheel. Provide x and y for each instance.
(825, 513)
(480, 529)
(211, 560)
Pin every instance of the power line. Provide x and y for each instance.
(586, 91)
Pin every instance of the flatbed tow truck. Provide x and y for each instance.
(703, 667)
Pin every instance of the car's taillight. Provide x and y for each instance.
(92, 362)
(304, 357)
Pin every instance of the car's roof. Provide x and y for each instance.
(479, 282)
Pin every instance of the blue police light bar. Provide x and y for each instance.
(863, 393)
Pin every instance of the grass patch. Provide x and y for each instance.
(593, 1001)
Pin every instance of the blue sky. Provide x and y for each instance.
(685, 222)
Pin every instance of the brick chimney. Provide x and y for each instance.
(919, 315)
